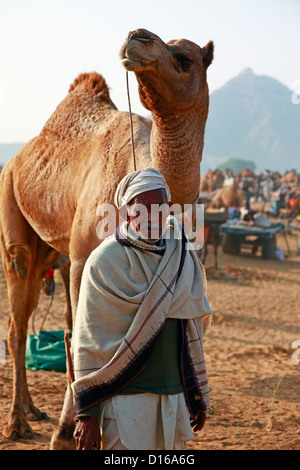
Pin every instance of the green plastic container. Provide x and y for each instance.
(46, 351)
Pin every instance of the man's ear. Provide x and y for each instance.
(208, 53)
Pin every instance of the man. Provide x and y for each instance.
(138, 356)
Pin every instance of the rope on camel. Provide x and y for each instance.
(131, 125)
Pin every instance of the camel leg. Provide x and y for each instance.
(62, 438)
(205, 250)
(64, 273)
(63, 267)
(217, 243)
(17, 425)
(216, 255)
(24, 279)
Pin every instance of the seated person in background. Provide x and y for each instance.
(246, 213)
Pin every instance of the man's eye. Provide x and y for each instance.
(137, 210)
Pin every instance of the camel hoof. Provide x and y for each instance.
(23, 430)
(62, 439)
(28, 434)
(34, 414)
(38, 417)
(14, 436)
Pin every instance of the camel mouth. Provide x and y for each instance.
(131, 64)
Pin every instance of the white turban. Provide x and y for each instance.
(139, 182)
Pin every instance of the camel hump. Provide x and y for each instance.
(93, 82)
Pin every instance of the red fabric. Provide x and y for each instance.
(293, 202)
(50, 273)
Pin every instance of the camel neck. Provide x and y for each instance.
(176, 151)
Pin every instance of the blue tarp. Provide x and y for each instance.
(235, 227)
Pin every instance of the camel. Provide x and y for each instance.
(232, 196)
(206, 184)
(218, 178)
(246, 173)
(52, 187)
(246, 179)
(291, 178)
(212, 180)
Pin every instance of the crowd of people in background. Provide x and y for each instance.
(281, 191)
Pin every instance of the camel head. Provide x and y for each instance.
(170, 75)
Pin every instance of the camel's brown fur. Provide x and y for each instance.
(246, 173)
(212, 180)
(291, 178)
(94, 83)
(51, 188)
(232, 196)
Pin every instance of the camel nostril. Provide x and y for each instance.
(141, 35)
(143, 39)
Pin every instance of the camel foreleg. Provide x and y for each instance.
(24, 266)
(62, 438)
(64, 273)
(23, 290)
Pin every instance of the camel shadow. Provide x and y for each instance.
(273, 387)
(258, 322)
(265, 264)
(267, 270)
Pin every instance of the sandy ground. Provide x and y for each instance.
(255, 385)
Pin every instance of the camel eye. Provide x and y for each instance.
(184, 62)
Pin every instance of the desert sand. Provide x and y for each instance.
(254, 383)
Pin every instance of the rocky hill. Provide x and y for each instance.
(252, 117)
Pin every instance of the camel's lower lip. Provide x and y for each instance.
(132, 64)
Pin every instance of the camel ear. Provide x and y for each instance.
(208, 53)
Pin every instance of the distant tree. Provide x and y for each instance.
(237, 164)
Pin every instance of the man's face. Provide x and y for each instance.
(147, 214)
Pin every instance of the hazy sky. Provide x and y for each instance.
(45, 44)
